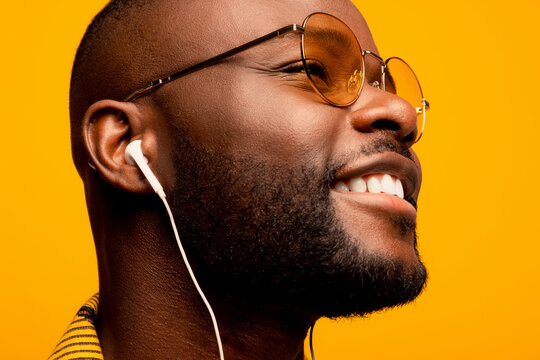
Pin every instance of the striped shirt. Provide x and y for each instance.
(80, 341)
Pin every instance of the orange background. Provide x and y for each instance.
(478, 219)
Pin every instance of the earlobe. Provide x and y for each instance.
(108, 127)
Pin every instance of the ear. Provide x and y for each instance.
(108, 127)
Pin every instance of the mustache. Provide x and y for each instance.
(376, 146)
(385, 144)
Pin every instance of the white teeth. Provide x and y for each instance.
(358, 185)
(388, 185)
(399, 189)
(340, 185)
(374, 185)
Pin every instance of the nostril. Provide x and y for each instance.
(385, 125)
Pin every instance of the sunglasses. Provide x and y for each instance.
(334, 64)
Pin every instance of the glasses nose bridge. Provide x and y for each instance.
(381, 62)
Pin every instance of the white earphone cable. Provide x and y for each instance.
(203, 297)
(135, 156)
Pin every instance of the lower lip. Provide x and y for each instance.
(381, 202)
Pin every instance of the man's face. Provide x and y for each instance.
(257, 157)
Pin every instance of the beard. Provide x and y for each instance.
(269, 235)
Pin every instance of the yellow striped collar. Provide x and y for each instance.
(80, 341)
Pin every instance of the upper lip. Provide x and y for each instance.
(390, 163)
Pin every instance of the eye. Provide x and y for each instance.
(295, 67)
(316, 69)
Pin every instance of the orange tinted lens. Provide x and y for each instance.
(401, 80)
(333, 59)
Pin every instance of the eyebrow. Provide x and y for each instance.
(332, 36)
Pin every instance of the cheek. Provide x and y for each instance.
(262, 116)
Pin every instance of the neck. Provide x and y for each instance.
(149, 307)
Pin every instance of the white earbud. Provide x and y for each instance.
(134, 156)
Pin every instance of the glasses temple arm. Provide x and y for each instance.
(158, 83)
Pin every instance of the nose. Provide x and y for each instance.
(378, 110)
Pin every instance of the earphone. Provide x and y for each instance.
(134, 156)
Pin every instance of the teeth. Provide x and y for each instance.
(388, 185)
(342, 186)
(399, 189)
(374, 185)
(358, 185)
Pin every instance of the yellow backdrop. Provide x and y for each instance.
(478, 63)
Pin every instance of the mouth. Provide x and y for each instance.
(388, 178)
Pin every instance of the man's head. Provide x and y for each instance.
(255, 165)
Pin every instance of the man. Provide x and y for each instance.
(294, 187)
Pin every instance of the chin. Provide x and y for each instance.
(385, 239)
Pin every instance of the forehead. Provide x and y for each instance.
(210, 27)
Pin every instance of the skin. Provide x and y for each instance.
(148, 305)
